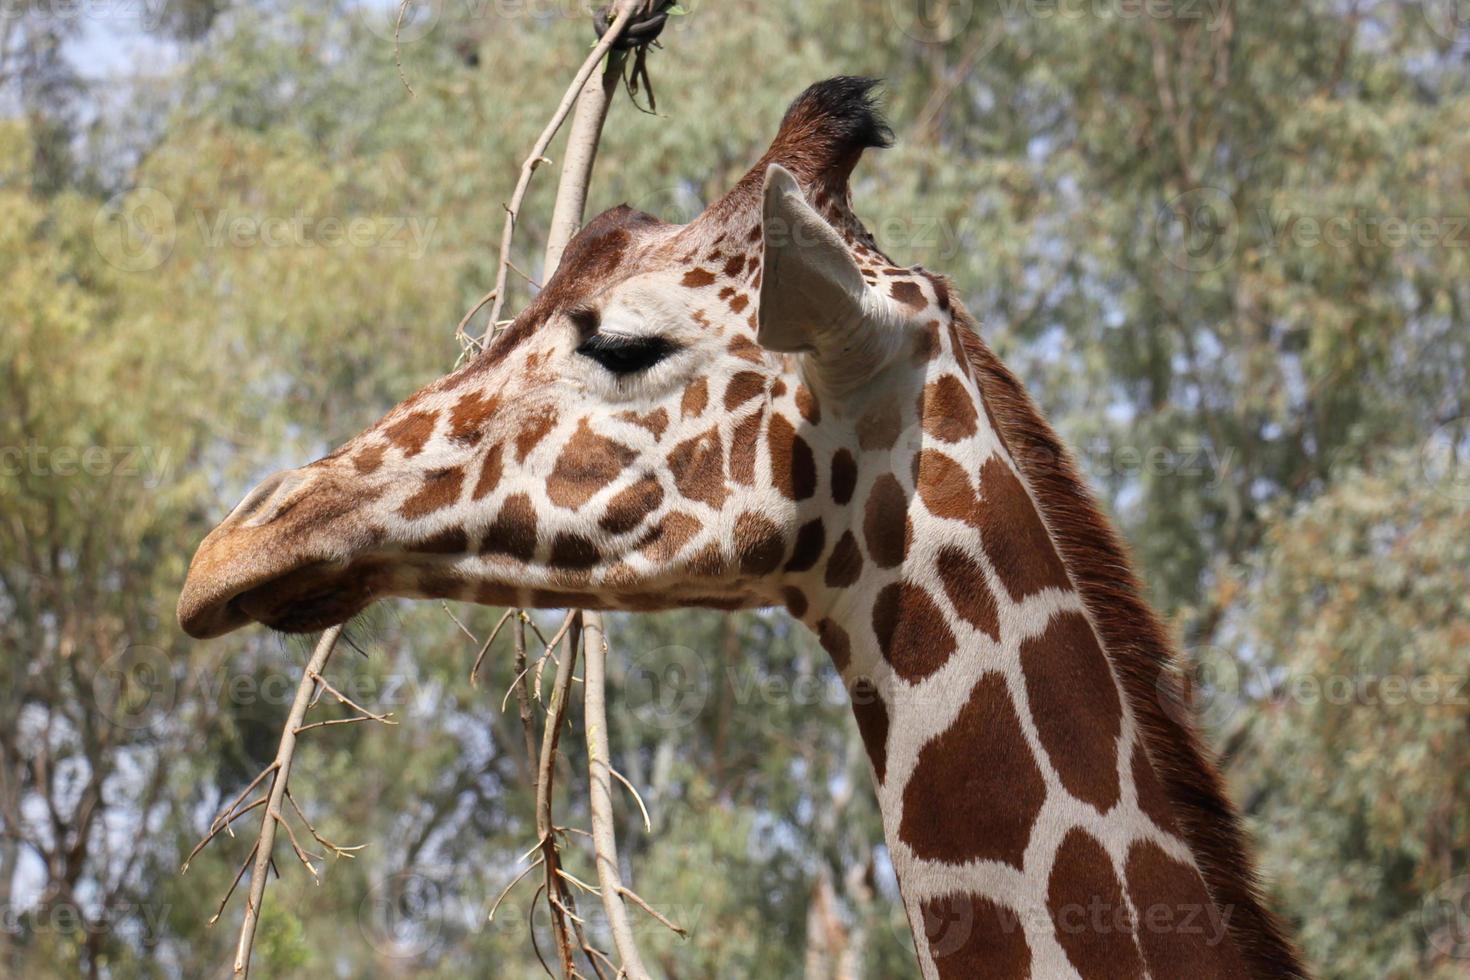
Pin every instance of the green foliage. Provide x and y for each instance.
(1358, 755)
(1181, 229)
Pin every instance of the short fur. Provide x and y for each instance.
(1138, 646)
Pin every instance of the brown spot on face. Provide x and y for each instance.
(513, 531)
(490, 471)
(971, 937)
(1090, 919)
(411, 432)
(845, 563)
(696, 278)
(944, 486)
(1014, 537)
(672, 533)
(631, 506)
(844, 476)
(450, 541)
(467, 420)
(735, 266)
(872, 720)
(727, 292)
(1181, 931)
(964, 583)
(368, 460)
(698, 468)
(696, 396)
(948, 410)
(440, 489)
(1074, 701)
(886, 526)
(834, 640)
(746, 349)
(795, 600)
(810, 540)
(588, 462)
(908, 293)
(1151, 799)
(911, 631)
(759, 544)
(743, 444)
(949, 805)
(742, 388)
(655, 421)
(806, 404)
(739, 303)
(573, 551)
(879, 426)
(793, 467)
(535, 430)
(779, 388)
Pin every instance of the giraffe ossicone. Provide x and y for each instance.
(760, 408)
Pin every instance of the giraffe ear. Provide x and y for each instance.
(813, 297)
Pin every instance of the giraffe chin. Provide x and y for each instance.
(309, 599)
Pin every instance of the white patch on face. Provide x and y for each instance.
(644, 306)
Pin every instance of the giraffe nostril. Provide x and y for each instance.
(266, 501)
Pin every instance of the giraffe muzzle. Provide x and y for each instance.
(283, 557)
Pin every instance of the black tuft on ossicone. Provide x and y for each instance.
(844, 111)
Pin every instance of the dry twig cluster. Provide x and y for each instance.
(580, 634)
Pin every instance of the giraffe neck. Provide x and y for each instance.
(1022, 813)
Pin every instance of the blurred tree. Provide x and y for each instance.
(1224, 242)
(1357, 696)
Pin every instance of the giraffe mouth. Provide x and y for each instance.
(308, 599)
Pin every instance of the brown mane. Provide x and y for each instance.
(1141, 653)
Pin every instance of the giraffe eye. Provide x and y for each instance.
(626, 355)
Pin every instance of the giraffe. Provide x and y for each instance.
(760, 408)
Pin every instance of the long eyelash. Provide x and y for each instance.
(626, 355)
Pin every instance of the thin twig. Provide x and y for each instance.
(647, 823)
(234, 884)
(284, 755)
(637, 900)
(514, 881)
(484, 649)
(348, 851)
(538, 150)
(386, 719)
(545, 828)
(604, 836)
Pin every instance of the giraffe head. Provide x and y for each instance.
(676, 419)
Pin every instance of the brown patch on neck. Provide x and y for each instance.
(951, 803)
(1141, 654)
